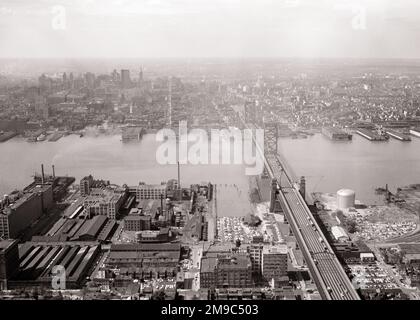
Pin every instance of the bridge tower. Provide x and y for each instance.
(302, 187)
(275, 206)
(270, 138)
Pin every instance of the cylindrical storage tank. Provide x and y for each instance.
(345, 198)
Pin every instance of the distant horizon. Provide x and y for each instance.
(216, 58)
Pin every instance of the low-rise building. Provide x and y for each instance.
(136, 222)
(339, 234)
(226, 271)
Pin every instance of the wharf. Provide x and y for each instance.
(7, 136)
(370, 135)
(415, 132)
(398, 135)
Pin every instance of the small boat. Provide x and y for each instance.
(41, 137)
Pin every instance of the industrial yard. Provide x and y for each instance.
(370, 223)
(382, 222)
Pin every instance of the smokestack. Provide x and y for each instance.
(42, 174)
(53, 169)
(161, 204)
(179, 177)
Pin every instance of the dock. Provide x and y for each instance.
(55, 136)
(132, 133)
(415, 132)
(398, 135)
(371, 135)
(7, 136)
(336, 134)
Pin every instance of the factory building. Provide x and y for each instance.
(105, 201)
(37, 260)
(20, 209)
(150, 191)
(99, 228)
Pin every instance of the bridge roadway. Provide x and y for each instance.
(326, 270)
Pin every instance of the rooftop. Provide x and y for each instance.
(208, 264)
(278, 249)
(4, 244)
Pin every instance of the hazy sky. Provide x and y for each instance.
(210, 28)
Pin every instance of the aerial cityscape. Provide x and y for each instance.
(207, 178)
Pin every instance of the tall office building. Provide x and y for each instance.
(274, 263)
(90, 80)
(85, 185)
(255, 253)
(125, 79)
(141, 77)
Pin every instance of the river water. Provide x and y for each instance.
(360, 164)
(106, 157)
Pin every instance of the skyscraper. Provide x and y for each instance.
(125, 78)
(141, 76)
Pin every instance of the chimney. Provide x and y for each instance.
(42, 174)
(161, 204)
(53, 171)
(179, 177)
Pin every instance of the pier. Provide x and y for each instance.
(398, 135)
(415, 132)
(370, 135)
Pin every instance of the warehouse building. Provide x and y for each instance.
(99, 228)
(145, 260)
(21, 208)
(37, 260)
